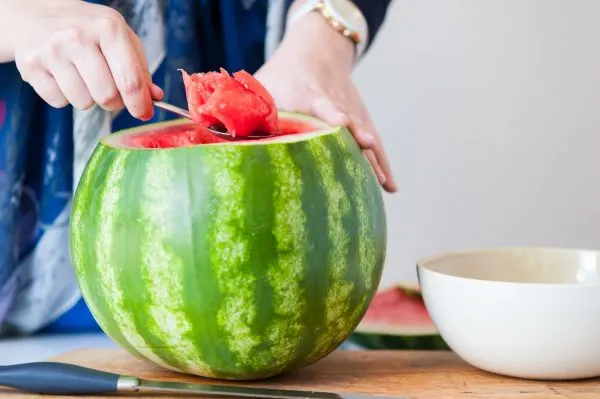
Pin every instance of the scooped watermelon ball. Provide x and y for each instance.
(239, 104)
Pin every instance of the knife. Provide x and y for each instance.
(54, 378)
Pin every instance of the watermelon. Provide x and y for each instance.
(398, 319)
(237, 104)
(233, 260)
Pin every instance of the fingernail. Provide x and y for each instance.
(157, 90)
(393, 187)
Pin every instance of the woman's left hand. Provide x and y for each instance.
(311, 72)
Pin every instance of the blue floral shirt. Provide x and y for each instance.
(43, 150)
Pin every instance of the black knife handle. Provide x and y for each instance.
(58, 379)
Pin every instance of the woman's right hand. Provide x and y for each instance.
(78, 53)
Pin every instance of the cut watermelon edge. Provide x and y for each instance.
(384, 328)
(316, 128)
(420, 336)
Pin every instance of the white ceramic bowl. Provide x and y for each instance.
(527, 312)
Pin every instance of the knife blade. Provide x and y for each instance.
(56, 378)
(145, 386)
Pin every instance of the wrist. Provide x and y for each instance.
(319, 41)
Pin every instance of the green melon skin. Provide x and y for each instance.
(230, 261)
(383, 341)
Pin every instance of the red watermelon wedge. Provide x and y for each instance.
(238, 104)
(398, 319)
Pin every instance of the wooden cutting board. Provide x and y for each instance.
(417, 375)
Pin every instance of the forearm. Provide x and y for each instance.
(313, 30)
(312, 33)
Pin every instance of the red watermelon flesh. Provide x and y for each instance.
(183, 135)
(398, 309)
(171, 137)
(238, 104)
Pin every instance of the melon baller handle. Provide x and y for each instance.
(173, 108)
(52, 378)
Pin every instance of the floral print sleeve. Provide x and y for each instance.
(43, 150)
(36, 281)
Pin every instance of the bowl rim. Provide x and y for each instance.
(423, 262)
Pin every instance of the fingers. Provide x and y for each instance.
(381, 177)
(99, 62)
(323, 107)
(375, 154)
(156, 93)
(139, 50)
(94, 74)
(363, 137)
(382, 161)
(71, 84)
(130, 76)
(46, 87)
(54, 77)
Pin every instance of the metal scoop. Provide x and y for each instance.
(224, 135)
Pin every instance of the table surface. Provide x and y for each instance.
(416, 375)
(41, 347)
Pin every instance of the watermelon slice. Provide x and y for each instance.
(238, 104)
(398, 319)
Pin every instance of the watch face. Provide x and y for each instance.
(347, 11)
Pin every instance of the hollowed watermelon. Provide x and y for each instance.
(398, 319)
(229, 259)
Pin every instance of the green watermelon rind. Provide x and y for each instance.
(374, 341)
(130, 260)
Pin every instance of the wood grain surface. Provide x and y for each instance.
(417, 375)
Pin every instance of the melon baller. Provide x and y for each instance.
(224, 135)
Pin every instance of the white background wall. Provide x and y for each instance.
(490, 112)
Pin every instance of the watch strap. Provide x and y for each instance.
(326, 8)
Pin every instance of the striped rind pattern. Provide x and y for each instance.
(230, 253)
(108, 214)
(236, 262)
(286, 273)
(337, 301)
(162, 267)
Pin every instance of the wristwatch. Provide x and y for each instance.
(343, 15)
